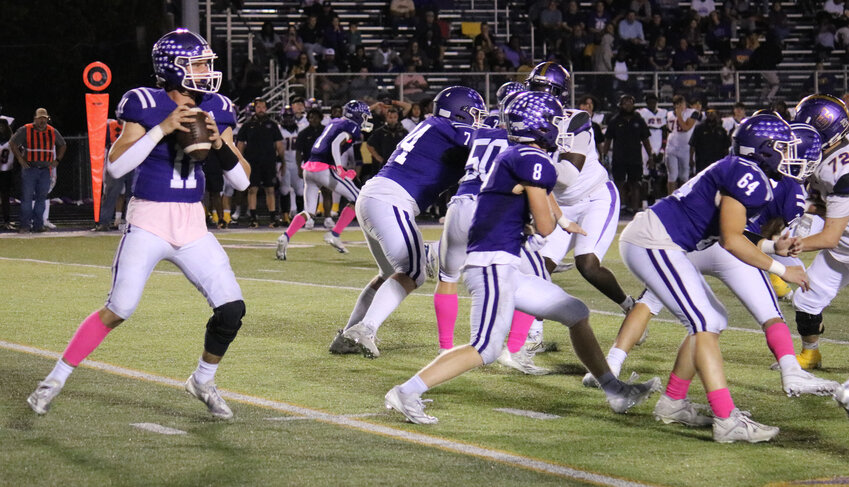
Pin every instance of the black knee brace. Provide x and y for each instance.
(809, 324)
(222, 328)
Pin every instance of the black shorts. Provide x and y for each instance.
(5, 182)
(263, 174)
(627, 172)
(214, 176)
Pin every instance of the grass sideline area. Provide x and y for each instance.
(53, 281)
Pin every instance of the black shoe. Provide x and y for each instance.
(254, 224)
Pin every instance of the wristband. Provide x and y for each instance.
(767, 246)
(777, 268)
(226, 157)
(563, 222)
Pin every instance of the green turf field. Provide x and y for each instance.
(304, 417)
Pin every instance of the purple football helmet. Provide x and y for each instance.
(825, 113)
(174, 56)
(808, 152)
(534, 117)
(359, 113)
(507, 89)
(460, 104)
(767, 140)
(549, 77)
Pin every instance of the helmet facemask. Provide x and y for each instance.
(208, 81)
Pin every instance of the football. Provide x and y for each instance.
(195, 143)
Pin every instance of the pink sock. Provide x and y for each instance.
(720, 402)
(88, 336)
(677, 387)
(446, 316)
(346, 217)
(296, 225)
(519, 330)
(779, 340)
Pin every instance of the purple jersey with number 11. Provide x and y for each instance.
(486, 145)
(429, 159)
(501, 214)
(691, 214)
(162, 177)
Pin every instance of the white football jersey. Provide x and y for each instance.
(655, 121)
(831, 179)
(289, 139)
(7, 158)
(729, 124)
(678, 137)
(591, 176)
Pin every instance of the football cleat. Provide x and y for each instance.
(329, 223)
(681, 411)
(796, 382)
(40, 399)
(410, 405)
(254, 222)
(340, 346)
(841, 395)
(208, 394)
(590, 381)
(309, 224)
(810, 359)
(431, 260)
(282, 245)
(563, 267)
(49, 224)
(363, 338)
(335, 242)
(632, 394)
(535, 344)
(741, 427)
(523, 361)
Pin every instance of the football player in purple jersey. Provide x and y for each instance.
(749, 284)
(324, 169)
(714, 206)
(166, 218)
(427, 162)
(517, 188)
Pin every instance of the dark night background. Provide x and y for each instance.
(46, 44)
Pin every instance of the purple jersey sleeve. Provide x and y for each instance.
(788, 204)
(322, 148)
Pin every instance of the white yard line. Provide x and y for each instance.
(299, 412)
(527, 414)
(157, 428)
(352, 288)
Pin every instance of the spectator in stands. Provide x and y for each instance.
(819, 82)
(300, 69)
(689, 83)
(744, 14)
(331, 87)
(572, 15)
(311, 37)
(413, 116)
(385, 59)
(623, 82)
(631, 33)
(643, 9)
(824, 42)
(742, 54)
(693, 34)
(270, 46)
(728, 80)
(628, 132)
(498, 62)
(777, 21)
(428, 32)
(575, 48)
(598, 19)
(718, 35)
(359, 60)
(834, 7)
(659, 55)
(363, 87)
(251, 82)
(292, 45)
(484, 40)
(550, 21)
(480, 64)
(602, 62)
(709, 142)
(669, 10)
(766, 59)
(412, 84)
(415, 56)
(437, 61)
(683, 56)
(325, 16)
(655, 28)
(385, 139)
(335, 37)
(703, 8)
(514, 52)
(355, 37)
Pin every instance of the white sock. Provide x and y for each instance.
(118, 215)
(60, 372)
(788, 363)
(387, 298)
(615, 358)
(414, 386)
(363, 303)
(205, 372)
(536, 328)
(46, 210)
(810, 346)
(627, 304)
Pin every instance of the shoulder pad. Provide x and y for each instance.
(133, 103)
(579, 122)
